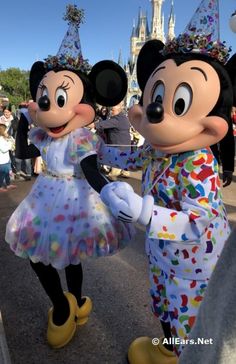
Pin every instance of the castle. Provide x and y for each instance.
(140, 34)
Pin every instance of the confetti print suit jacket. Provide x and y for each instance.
(189, 224)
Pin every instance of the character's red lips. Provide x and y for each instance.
(58, 129)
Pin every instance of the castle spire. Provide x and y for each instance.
(120, 59)
(157, 20)
(171, 23)
(133, 29)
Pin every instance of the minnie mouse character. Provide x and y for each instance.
(187, 97)
(63, 218)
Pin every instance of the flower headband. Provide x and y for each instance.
(67, 62)
(201, 44)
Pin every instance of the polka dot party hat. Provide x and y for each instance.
(69, 54)
(202, 34)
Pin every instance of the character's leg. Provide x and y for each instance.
(2, 177)
(166, 327)
(50, 280)
(74, 278)
(28, 169)
(185, 297)
(61, 318)
(7, 177)
(143, 350)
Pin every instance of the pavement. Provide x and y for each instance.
(118, 286)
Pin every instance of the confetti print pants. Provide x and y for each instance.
(176, 300)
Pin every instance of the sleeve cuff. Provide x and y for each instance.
(147, 209)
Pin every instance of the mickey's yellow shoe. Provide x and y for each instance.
(59, 336)
(83, 312)
(142, 351)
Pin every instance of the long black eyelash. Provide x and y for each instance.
(41, 85)
(64, 87)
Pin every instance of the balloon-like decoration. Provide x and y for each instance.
(232, 22)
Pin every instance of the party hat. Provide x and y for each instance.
(69, 55)
(201, 35)
(205, 20)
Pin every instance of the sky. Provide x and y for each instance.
(31, 30)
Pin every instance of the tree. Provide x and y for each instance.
(15, 85)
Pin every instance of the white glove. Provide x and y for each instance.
(125, 204)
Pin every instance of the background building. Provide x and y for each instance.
(141, 33)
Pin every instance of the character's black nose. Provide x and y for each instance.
(44, 103)
(155, 112)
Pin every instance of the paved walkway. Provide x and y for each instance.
(4, 352)
(229, 197)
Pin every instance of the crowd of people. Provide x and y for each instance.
(113, 127)
(12, 166)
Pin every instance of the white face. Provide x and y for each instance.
(7, 113)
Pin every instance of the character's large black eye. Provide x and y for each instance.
(61, 97)
(182, 99)
(158, 92)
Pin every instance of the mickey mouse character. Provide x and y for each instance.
(185, 107)
(63, 218)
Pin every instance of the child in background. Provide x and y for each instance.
(6, 144)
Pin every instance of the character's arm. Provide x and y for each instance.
(83, 147)
(91, 171)
(107, 124)
(198, 200)
(126, 160)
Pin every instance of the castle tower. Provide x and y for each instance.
(141, 34)
(157, 27)
(171, 23)
(120, 59)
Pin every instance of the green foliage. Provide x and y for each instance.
(15, 85)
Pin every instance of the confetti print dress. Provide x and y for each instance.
(63, 219)
(187, 232)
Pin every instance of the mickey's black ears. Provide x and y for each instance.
(109, 81)
(36, 74)
(148, 59)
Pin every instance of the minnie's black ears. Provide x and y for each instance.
(148, 59)
(109, 81)
(36, 74)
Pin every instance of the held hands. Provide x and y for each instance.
(125, 204)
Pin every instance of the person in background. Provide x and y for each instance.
(117, 129)
(7, 117)
(136, 139)
(102, 114)
(24, 165)
(11, 123)
(1, 110)
(6, 144)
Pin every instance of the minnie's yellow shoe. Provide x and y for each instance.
(83, 312)
(59, 336)
(142, 351)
